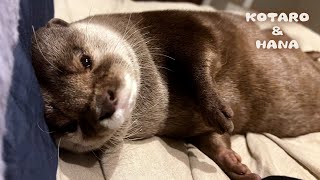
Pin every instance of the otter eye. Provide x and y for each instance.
(86, 61)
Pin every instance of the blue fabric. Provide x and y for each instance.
(29, 153)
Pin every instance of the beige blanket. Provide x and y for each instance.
(158, 158)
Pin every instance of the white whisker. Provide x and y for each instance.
(59, 148)
(125, 32)
(58, 156)
(35, 37)
(96, 156)
(139, 29)
(132, 27)
(159, 54)
(161, 67)
(145, 41)
(49, 132)
(89, 19)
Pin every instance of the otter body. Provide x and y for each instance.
(274, 91)
(176, 74)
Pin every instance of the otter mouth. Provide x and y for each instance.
(125, 102)
(107, 115)
(114, 110)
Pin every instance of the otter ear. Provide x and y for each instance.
(56, 22)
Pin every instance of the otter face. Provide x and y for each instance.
(89, 77)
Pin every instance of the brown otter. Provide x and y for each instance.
(172, 73)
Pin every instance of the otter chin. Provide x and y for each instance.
(89, 84)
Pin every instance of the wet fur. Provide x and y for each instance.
(194, 67)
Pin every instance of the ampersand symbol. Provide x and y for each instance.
(276, 31)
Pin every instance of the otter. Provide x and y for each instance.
(196, 76)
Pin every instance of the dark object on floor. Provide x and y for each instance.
(279, 178)
(190, 1)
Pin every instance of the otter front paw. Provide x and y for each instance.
(219, 115)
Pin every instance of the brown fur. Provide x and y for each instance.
(216, 68)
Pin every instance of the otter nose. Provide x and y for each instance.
(108, 106)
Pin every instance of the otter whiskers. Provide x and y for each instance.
(40, 50)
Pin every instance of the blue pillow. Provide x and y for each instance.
(29, 152)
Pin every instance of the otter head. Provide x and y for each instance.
(89, 78)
